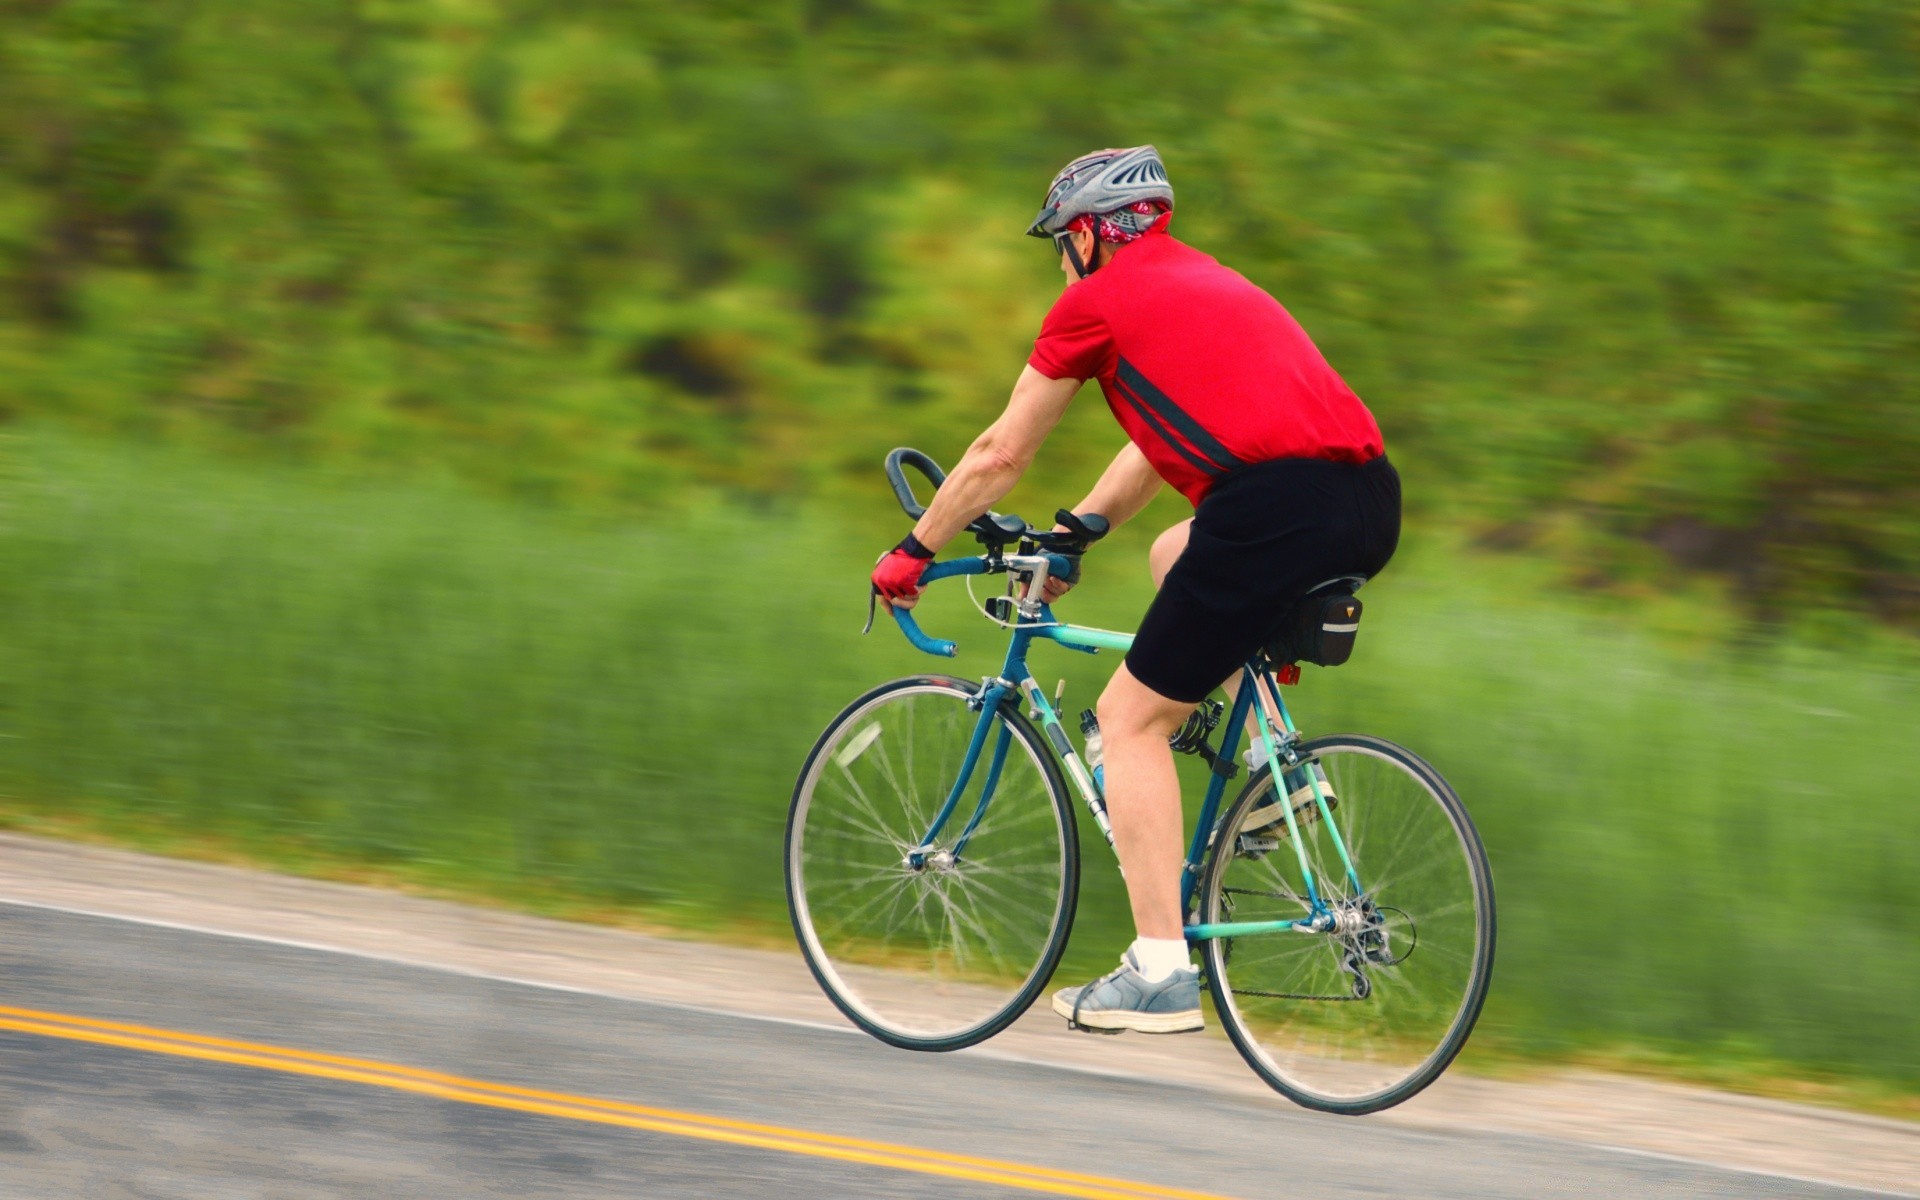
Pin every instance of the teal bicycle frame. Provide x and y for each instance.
(1277, 733)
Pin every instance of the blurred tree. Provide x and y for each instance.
(1631, 283)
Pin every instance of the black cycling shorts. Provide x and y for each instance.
(1260, 539)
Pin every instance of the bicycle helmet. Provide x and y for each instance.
(1119, 193)
(1099, 183)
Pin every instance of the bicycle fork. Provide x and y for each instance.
(997, 693)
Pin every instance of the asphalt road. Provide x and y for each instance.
(142, 1061)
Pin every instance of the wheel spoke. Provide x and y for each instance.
(928, 948)
(1293, 1000)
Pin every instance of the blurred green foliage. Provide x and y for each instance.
(1696, 849)
(1634, 285)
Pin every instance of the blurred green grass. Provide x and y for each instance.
(1700, 844)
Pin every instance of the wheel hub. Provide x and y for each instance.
(1364, 928)
(1353, 920)
(936, 862)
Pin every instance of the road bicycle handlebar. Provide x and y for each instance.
(992, 528)
(995, 531)
(980, 565)
(902, 490)
(903, 617)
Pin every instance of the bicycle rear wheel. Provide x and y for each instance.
(1364, 1016)
(930, 951)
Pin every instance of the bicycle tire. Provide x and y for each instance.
(847, 966)
(1294, 1034)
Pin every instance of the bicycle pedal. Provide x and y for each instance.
(1249, 846)
(1079, 1028)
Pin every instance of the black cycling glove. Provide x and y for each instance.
(1086, 530)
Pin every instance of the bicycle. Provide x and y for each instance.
(1346, 946)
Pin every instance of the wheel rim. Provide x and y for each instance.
(1386, 1012)
(939, 952)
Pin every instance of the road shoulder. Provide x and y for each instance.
(1696, 1124)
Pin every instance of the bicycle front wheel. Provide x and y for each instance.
(930, 945)
(1365, 1014)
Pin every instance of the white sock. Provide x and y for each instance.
(1158, 958)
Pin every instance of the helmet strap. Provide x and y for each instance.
(1080, 268)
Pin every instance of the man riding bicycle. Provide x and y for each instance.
(1223, 395)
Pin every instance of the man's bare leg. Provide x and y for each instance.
(1143, 799)
(1166, 551)
(1156, 988)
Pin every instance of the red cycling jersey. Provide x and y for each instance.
(1205, 371)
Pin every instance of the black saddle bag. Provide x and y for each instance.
(1319, 629)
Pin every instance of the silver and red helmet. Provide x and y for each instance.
(1125, 188)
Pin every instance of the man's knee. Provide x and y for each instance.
(1166, 551)
(1128, 706)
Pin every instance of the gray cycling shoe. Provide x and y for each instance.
(1305, 811)
(1123, 999)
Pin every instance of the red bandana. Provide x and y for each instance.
(1123, 225)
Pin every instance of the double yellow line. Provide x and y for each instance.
(583, 1108)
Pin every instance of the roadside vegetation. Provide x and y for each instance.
(1702, 843)
(1636, 281)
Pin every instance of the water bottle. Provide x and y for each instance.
(1096, 750)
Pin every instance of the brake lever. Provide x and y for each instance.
(997, 529)
(1088, 529)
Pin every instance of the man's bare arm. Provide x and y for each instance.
(997, 458)
(1125, 487)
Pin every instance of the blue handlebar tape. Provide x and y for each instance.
(946, 570)
(937, 646)
(935, 572)
(952, 567)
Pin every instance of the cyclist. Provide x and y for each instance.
(1223, 395)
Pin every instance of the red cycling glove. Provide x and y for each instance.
(897, 575)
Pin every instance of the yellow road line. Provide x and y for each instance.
(582, 1108)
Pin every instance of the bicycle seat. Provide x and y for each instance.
(1340, 583)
